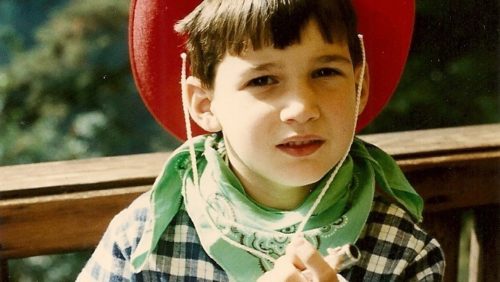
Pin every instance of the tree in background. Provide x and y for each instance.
(67, 92)
(451, 77)
(71, 95)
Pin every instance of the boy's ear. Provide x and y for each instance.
(365, 91)
(200, 101)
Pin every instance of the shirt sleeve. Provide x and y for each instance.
(395, 248)
(428, 265)
(111, 258)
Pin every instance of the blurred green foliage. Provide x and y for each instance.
(71, 94)
(55, 268)
(66, 90)
(451, 77)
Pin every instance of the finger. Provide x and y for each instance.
(279, 276)
(291, 251)
(333, 259)
(283, 270)
(313, 261)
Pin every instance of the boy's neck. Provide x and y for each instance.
(275, 196)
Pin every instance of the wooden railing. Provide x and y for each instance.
(65, 206)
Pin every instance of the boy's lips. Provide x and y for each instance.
(301, 146)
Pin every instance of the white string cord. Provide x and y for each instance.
(302, 225)
(189, 132)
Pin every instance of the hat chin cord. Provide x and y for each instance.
(196, 178)
(187, 122)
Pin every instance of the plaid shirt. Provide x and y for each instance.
(393, 248)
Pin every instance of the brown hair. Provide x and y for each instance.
(217, 27)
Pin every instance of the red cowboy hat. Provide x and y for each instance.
(155, 50)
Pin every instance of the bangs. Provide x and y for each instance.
(277, 23)
(217, 27)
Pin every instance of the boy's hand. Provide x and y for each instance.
(302, 262)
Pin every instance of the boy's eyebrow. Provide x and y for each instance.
(334, 58)
(263, 67)
(321, 59)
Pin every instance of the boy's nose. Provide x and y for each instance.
(300, 106)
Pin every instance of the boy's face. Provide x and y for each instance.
(287, 114)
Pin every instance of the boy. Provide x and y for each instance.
(281, 181)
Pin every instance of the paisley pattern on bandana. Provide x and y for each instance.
(272, 244)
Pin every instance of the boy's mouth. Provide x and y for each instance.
(300, 146)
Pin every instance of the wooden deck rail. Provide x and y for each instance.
(65, 206)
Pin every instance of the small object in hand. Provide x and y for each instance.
(342, 257)
(348, 256)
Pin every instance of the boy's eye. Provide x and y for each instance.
(262, 81)
(325, 72)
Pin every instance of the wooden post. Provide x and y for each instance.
(486, 248)
(4, 270)
(445, 227)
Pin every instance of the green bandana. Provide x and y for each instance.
(229, 224)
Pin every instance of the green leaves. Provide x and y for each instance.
(451, 75)
(70, 94)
